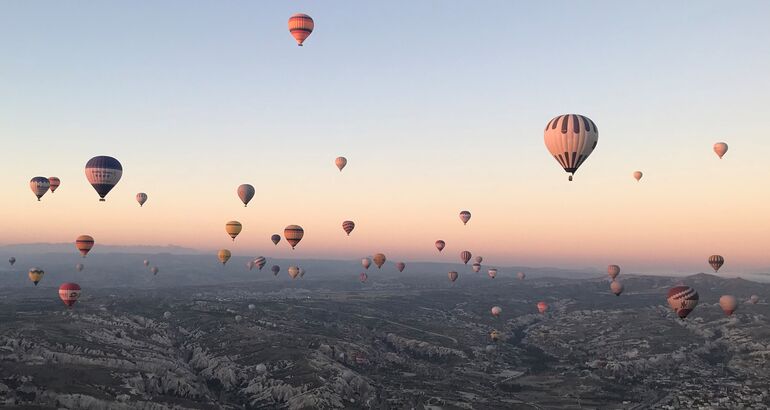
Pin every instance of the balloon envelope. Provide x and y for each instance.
(293, 271)
(465, 216)
(542, 307)
(720, 148)
(613, 271)
(154, 270)
(79, 267)
(293, 234)
(340, 162)
(366, 262)
(379, 260)
(492, 273)
(465, 256)
(400, 266)
(103, 173)
(452, 276)
(300, 27)
(54, 182)
(521, 275)
(35, 275)
(571, 138)
(728, 303)
(141, 198)
(233, 228)
(224, 255)
(716, 262)
(39, 186)
(84, 243)
(496, 310)
(246, 193)
(616, 287)
(440, 245)
(348, 226)
(682, 299)
(260, 261)
(69, 293)
(637, 175)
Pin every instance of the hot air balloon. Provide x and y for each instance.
(35, 275)
(250, 265)
(720, 148)
(293, 271)
(233, 228)
(366, 262)
(728, 303)
(238, 318)
(465, 216)
(300, 27)
(716, 262)
(146, 263)
(478, 259)
(252, 306)
(79, 267)
(637, 175)
(348, 226)
(492, 273)
(542, 307)
(465, 256)
(54, 183)
(141, 198)
(452, 276)
(275, 269)
(570, 139)
(246, 192)
(440, 245)
(167, 315)
(11, 260)
(84, 243)
(363, 277)
(293, 234)
(154, 270)
(224, 255)
(103, 173)
(39, 186)
(400, 266)
(260, 261)
(476, 267)
(616, 287)
(275, 238)
(613, 271)
(754, 299)
(521, 275)
(496, 310)
(302, 272)
(69, 293)
(495, 336)
(682, 299)
(379, 260)
(340, 162)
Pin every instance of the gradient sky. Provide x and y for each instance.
(439, 106)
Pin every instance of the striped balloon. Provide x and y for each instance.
(103, 173)
(340, 162)
(476, 267)
(348, 226)
(224, 255)
(401, 266)
(84, 243)
(260, 261)
(616, 287)
(716, 262)
(39, 186)
(246, 193)
(141, 198)
(54, 182)
(465, 256)
(465, 216)
(35, 275)
(293, 234)
(452, 276)
(233, 228)
(613, 271)
(683, 300)
(379, 260)
(571, 139)
(300, 27)
(69, 293)
(440, 245)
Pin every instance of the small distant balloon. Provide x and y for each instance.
(167, 315)
(400, 266)
(465, 216)
(260, 261)
(233, 228)
(452, 276)
(84, 243)
(154, 270)
(754, 299)
(69, 293)
(348, 226)
(293, 234)
(478, 259)
(35, 275)
(496, 310)
(224, 255)
(293, 271)
(39, 186)
(340, 162)
(11, 260)
(716, 262)
(141, 198)
(440, 245)
(728, 303)
(246, 193)
(275, 269)
(613, 271)
(720, 148)
(616, 287)
(465, 256)
(542, 307)
(146, 262)
(54, 182)
(637, 175)
(683, 300)
(492, 273)
(300, 27)
(238, 318)
(521, 275)
(476, 267)
(379, 260)
(275, 238)
(79, 267)
(366, 262)
(363, 277)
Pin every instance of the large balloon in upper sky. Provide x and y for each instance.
(440, 245)
(616, 287)
(84, 243)
(682, 299)
(613, 271)
(637, 175)
(39, 186)
(401, 266)
(348, 226)
(492, 272)
(35, 275)
(340, 162)
(103, 173)
(716, 262)
(79, 267)
(465, 216)
(570, 139)
(728, 303)
(260, 261)
(11, 260)
(542, 306)
(54, 182)
(233, 228)
(465, 256)
(141, 198)
(69, 293)
(275, 269)
(293, 234)
(720, 148)
(496, 310)
(275, 238)
(154, 270)
(293, 271)
(246, 192)
(379, 260)
(453, 276)
(224, 255)
(300, 27)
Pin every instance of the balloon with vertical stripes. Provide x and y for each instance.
(465, 256)
(571, 139)
(300, 27)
